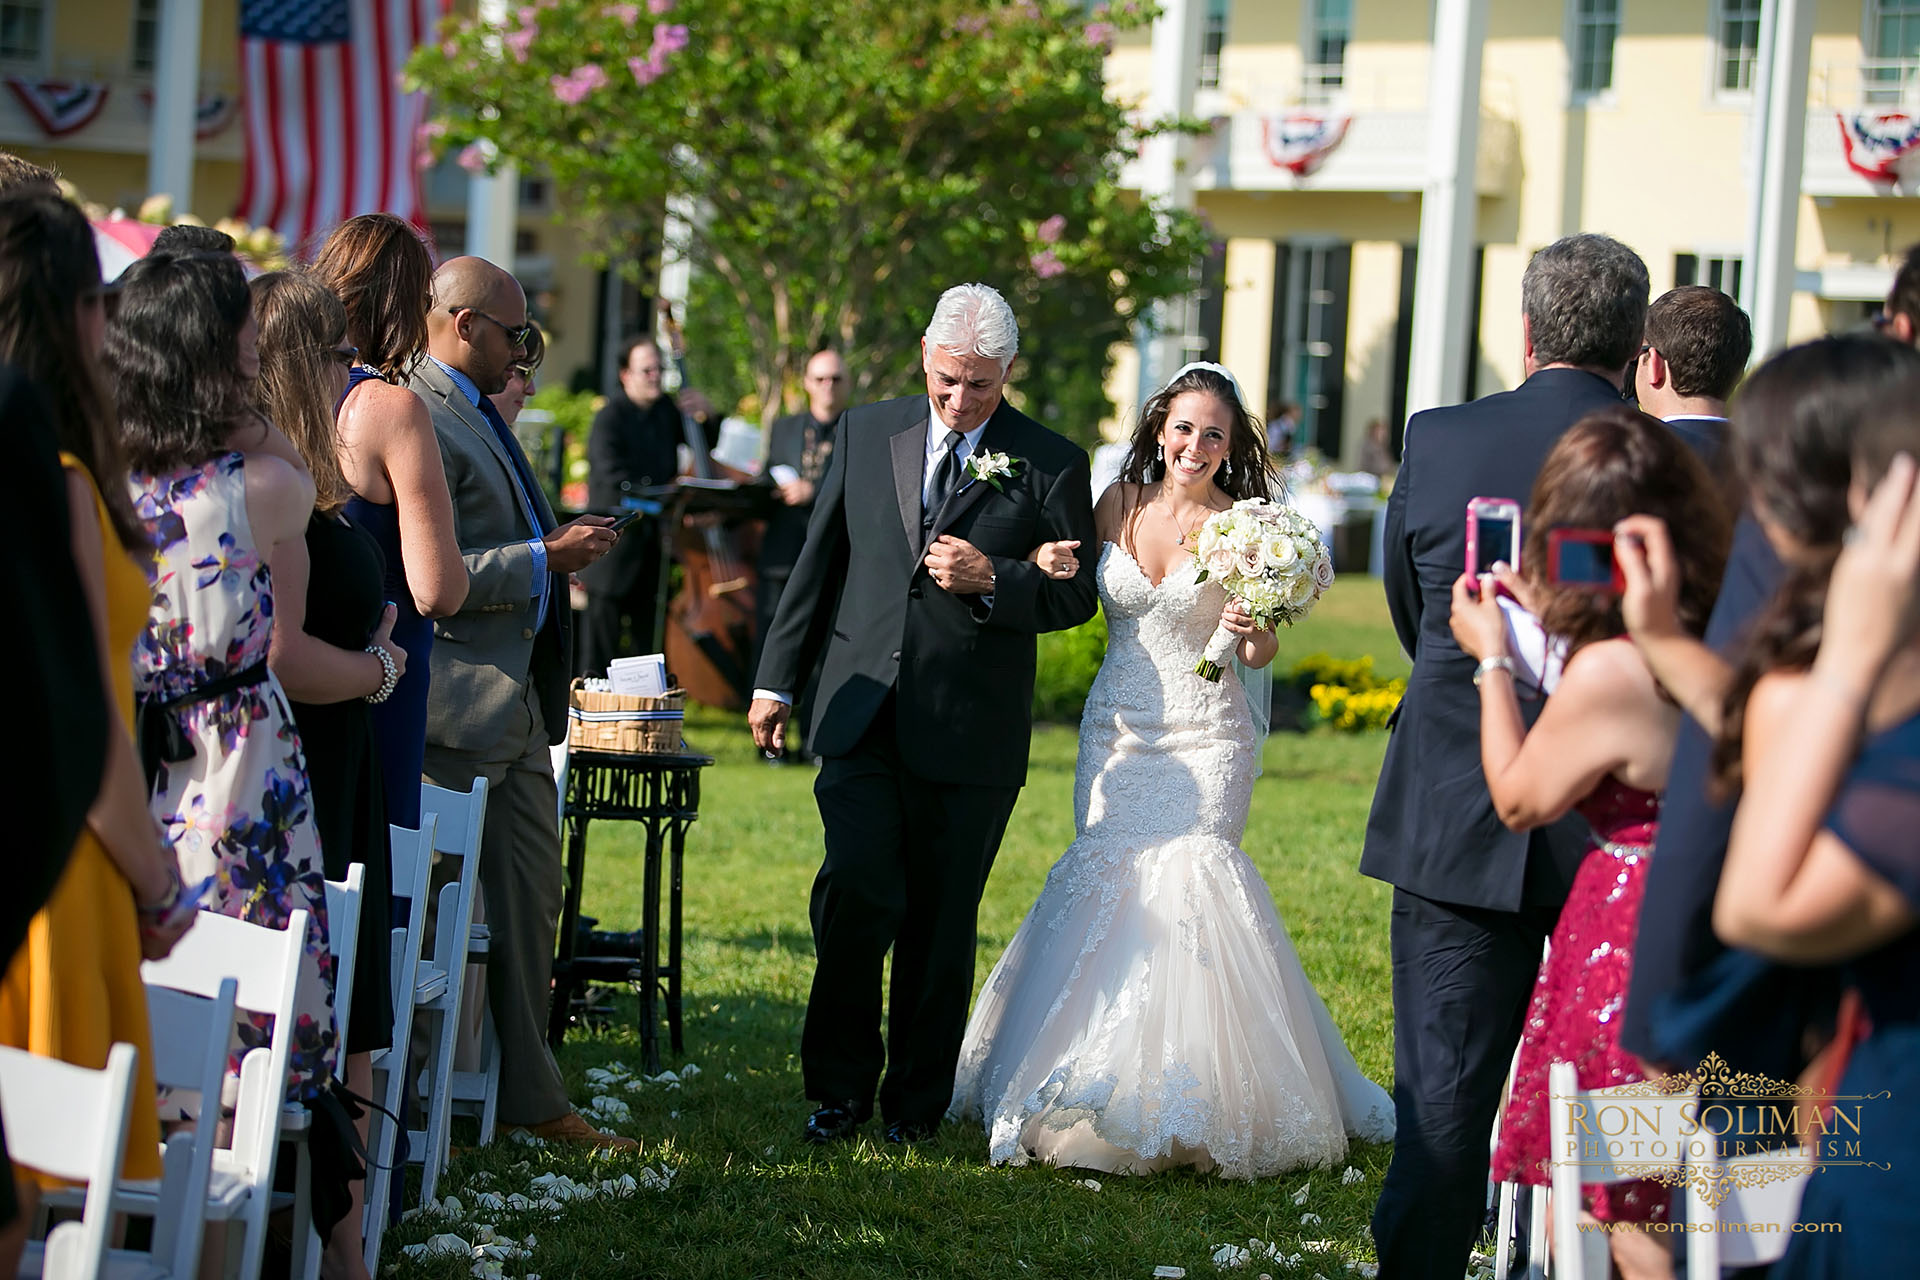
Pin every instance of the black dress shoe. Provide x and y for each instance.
(832, 1123)
(901, 1132)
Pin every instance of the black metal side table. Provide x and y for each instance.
(663, 793)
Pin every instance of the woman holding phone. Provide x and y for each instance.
(1601, 747)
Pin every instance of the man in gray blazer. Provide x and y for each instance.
(500, 671)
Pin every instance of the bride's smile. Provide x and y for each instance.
(1195, 439)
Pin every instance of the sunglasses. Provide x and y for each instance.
(346, 357)
(516, 334)
(524, 370)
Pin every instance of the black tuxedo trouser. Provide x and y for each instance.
(1462, 977)
(906, 860)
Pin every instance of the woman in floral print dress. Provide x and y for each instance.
(226, 512)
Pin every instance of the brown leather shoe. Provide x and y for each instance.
(572, 1128)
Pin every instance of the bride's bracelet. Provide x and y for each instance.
(389, 679)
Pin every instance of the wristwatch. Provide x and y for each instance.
(1499, 662)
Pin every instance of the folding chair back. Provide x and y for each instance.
(459, 819)
(190, 1036)
(1605, 1136)
(71, 1123)
(412, 854)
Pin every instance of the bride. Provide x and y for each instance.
(1151, 1012)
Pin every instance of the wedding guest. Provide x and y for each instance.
(1695, 349)
(191, 237)
(74, 988)
(520, 376)
(1822, 865)
(1899, 316)
(1794, 421)
(334, 654)
(226, 519)
(1601, 748)
(379, 268)
(1472, 902)
(1376, 451)
(18, 175)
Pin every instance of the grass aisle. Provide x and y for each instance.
(749, 1199)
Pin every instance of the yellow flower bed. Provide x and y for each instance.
(1346, 694)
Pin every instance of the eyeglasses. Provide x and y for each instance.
(346, 357)
(516, 334)
(1644, 348)
(524, 370)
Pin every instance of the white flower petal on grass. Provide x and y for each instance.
(1309, 1219)
(445, 1245)
(1091, 1184)
(689, 1071)
(608, 1076)
(518, 1203)
(1229, 1257)
(490, 1200)
(488, 1269)
(1351, 1176)
(1317, 1246)
(1300, 1196)
(611, 1109)
(525, 1139)
(622, 1186)
(731, 1076)
(1169, 1273)
(1365, 1270)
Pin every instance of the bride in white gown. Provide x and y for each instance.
(1151, 1011)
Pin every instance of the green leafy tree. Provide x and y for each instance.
(839, 163)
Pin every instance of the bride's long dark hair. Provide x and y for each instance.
(1248, 470)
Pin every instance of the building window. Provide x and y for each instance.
(1716, 271)
(146, 35)
(22, 30)
(1596, 24)
(1329, 28)
(1893, 49)
(1736, 40)
(1212, 40)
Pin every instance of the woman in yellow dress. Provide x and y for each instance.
(74, 988)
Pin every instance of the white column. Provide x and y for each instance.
(1757, 148)
(1448, 207)
(1164, 173)
(493, 200)
(1770, 264)
(176, 97)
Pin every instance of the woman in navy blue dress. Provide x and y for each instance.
(1823, 867)
(380, 269)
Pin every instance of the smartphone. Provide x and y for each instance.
(1583, 559)
(621, 522)
(1493, 534)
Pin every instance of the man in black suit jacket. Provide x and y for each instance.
(1697, 344)
(1473, 901)
(914, 580)
(634, 444)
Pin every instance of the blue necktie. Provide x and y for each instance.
(523, 480)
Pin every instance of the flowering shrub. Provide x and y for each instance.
(1345, 693)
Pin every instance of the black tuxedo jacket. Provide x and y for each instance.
(1433, 830)
(961, 670)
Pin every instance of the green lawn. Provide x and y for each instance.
(750, 1199)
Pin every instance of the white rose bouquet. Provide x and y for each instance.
(1270, 558)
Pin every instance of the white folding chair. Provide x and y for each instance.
(344, 898)
(1510, 1191)
(459, 819)
(476, 1061)
(266, 965)
(71, 1123)
(1606, 1136)
(414, 986)
(1757, 1196)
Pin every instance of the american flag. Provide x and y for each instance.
(330, 134)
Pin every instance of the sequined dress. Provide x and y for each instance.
(1575, 1013)
(1151, 1011)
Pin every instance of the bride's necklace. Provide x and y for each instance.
(1186, 532)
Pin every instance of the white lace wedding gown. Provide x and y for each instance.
(1151, 1012)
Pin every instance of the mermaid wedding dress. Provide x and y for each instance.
(1151, 1012)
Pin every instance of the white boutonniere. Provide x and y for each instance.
(993, 468)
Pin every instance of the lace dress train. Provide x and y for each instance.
(1151, 1012)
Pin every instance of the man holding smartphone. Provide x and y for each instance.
(1473, 902)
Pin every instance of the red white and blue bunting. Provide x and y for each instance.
(1300, 141)
(1881, 146)
(59, 106)
(212, 112)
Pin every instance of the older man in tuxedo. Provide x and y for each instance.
(914, 581)
(500, 671)
(1473, 901)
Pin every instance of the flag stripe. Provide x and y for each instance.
(329, 132)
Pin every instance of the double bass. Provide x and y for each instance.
(710, 642)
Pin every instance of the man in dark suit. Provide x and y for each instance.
(914, 579)
(500, 671)
(800, 443)
(634, 443)
(1473, 901)
(1697, 344)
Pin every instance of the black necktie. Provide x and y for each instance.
(946, 478)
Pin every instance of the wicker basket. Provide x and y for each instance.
(624, 722)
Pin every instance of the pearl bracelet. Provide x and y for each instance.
(390, 679)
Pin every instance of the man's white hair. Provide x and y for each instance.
(974, 320)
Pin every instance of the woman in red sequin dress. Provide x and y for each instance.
(1599, 750)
